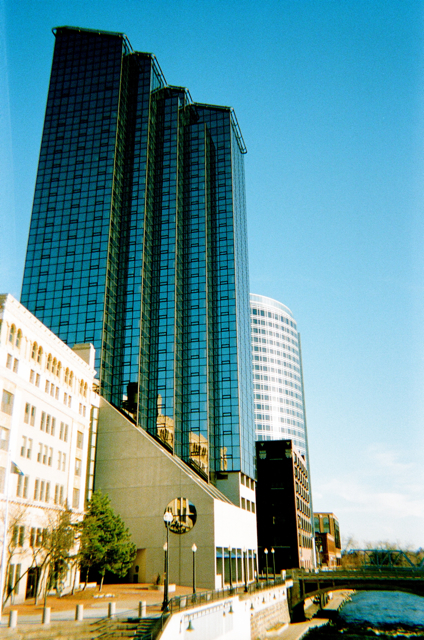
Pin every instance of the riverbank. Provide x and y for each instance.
(372, 614)
(297, 630)
(336, 630)
(338, 600)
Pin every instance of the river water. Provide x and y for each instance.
(369, 614)
(384, 608)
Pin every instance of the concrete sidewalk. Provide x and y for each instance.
(296, 630)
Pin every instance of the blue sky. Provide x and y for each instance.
(329, 97)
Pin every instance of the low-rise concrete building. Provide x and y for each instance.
(143, 480)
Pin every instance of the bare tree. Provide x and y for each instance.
(15, 538)
(55, 554)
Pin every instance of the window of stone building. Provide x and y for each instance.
(4, 438)
(12, 333)
(75, 498)
(7, 402)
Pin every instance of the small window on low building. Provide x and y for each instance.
(7, 402)
(75, 498)
(12, 334)
(4, 438)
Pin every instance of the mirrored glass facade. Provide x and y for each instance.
(138, 244)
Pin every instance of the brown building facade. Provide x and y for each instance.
(327, 540)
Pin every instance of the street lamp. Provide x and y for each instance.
(194, 549)
(167, 518)
(165, 548)
(231, 569)
(273, 561)
(245, 570)
(266, 563)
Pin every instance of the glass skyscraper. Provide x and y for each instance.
(277, 374)
(138, 245)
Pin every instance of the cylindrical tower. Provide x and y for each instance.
(277, 374)
(279, 394)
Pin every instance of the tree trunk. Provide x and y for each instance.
(37, 584)
(46, 587)
(101, 583)
(75, 578)
(86, 578)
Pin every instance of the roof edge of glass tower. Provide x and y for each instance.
(98, 31)
(234, 122)
(182, 89)
(255, 297)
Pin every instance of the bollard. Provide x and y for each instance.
(79, 612)
(142, 609)
(46, 615)
(111, 609)
(13, 619)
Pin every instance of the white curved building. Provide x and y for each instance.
(277, 374)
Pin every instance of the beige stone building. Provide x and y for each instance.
(46, 399)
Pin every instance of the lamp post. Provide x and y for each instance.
(245, 570)
(165, 548)
(167, 518)
(273, 561)
(231, 569)
(194, 549)
(266, 564)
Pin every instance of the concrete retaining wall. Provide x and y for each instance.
(246, 618)
(270, 608)
(54, 631)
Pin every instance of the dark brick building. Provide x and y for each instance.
(283, 507)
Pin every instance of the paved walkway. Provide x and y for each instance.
(296, 630)
(125, 596)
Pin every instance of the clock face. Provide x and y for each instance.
(184, 515)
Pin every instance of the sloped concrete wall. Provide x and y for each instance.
(141, 478)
